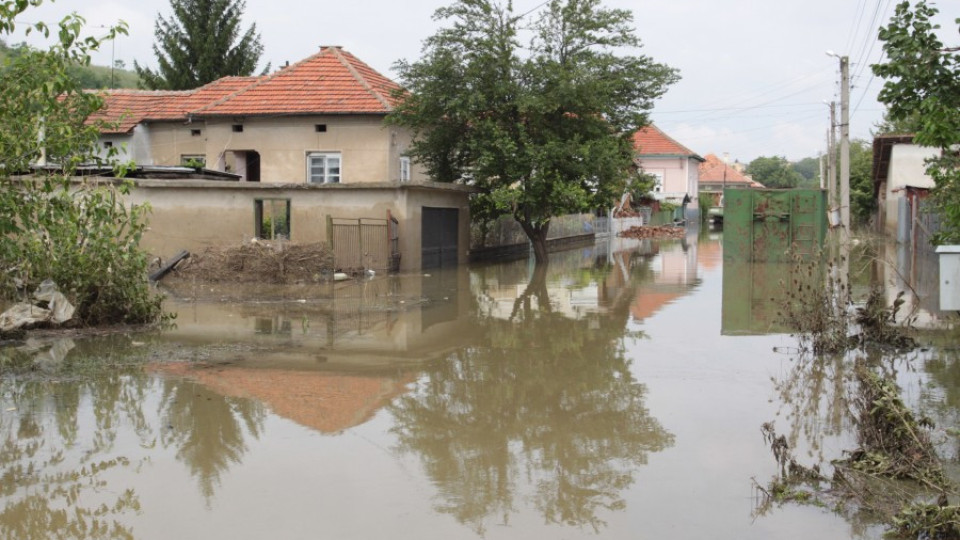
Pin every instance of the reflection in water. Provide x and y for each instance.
(326, 402)
(543, 402)
(49, 489)
(941, 400)
(815, 396)
(63, 473)
(512, 388)
(207, 428)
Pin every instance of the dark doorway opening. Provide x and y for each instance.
(439, 237)
(253, 166)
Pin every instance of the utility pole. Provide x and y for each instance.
(832, 158)
(845, 145)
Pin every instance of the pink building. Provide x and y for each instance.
(675, 166)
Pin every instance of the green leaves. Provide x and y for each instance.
(542, 130)
(77, 233)
(200, 43)
(923, 91)
(774, 172)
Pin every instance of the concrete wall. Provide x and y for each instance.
(169, 141)
(194, 214)
(370, 151)
(907, 168)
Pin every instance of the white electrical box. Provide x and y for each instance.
(949, 277)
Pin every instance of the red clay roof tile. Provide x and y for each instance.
(124, 109)
(650, 141)
(332, 81)
(712, 171)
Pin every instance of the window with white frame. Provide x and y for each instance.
(405, 169)
(657, 181)
(323, 167)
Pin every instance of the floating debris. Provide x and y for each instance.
(654, 231)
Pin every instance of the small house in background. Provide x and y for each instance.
(311, 160)
(715, 175)
(900, 183)
(674, 166)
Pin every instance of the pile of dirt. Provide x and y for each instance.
(258, 262)
(654, 231)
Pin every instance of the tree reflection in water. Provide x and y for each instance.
(207, 429)
(544, 404)
(53, 469)
(63, 473)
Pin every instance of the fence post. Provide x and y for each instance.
(330, 232)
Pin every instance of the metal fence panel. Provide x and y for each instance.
(364, 243)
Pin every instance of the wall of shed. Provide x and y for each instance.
(192, 215)
(907, 168)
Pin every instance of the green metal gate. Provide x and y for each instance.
(764, 225)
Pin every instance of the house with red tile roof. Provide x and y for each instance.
(311, 151)
(675, 167)
(319, 120)
(715, 175)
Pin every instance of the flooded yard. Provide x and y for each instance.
(618, 393)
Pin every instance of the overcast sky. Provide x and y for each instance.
(754, 73)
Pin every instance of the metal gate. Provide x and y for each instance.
(765, 224)
(364, 243)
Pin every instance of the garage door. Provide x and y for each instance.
(439, 234)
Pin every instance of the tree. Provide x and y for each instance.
(79, 234)
(903, 126)
(199, 44)
(774, 172)
(923, 86)
(540, 131)
(566, 420)
(863, 203)
(809, 169)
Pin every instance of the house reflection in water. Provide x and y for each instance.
(588, 282)
(672, 271)
(327, 357)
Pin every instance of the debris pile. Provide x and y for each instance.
(49, 307)
(654, 231)
(258, 262)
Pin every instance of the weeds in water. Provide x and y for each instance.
(820, 310)
(815, 307)
(894, 474)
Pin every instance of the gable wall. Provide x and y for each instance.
(370, 151)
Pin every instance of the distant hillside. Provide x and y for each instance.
(88, 76)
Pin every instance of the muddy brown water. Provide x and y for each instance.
(618, 394)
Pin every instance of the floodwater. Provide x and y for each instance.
(619, 394)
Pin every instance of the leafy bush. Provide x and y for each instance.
(81, 235)
(86, 240)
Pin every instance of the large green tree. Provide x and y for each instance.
(541, 130)
(53, 226)
(774, 172)
(923, 88)
(200, 43)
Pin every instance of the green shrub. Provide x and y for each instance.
(85, 240)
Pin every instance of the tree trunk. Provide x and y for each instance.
(537, 234)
